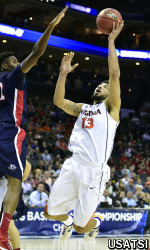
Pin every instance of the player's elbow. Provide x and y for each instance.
(37, 52)
(57, 102)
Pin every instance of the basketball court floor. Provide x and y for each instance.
(72, 244)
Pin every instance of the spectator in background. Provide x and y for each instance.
(40, 165)
(27, 187)
(56, 165)
(34, 145)
(43, 146)
(139, 184)
(30, 179)
(38, 197)
(57, 173)
(46, 186)
(142, 202)
(130, 186)
(37, 154)
(136, 196)
(47, 177)
(36, 179)
(146, 189)
(58, 157)
(132, 170)
(122, 187)
(125, 180)
(146, 136)
(125, 170)
(118, 200)
(53, 180)
(119, 181)
(61, 146)
(106, 198)
(46, 156)
(109, 187)
(130, 202)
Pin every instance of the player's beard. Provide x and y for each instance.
(100, 98)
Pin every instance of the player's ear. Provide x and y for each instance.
(4, 66)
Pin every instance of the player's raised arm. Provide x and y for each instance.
(41, 44)
(69, 107)
(113, 101)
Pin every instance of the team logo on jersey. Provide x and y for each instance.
(12, 167)
(90, 113)
(15, 213)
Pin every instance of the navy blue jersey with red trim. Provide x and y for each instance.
(13, 108)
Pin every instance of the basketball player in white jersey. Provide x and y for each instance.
(83, 176)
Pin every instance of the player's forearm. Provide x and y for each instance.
(27, 171)
(59, 94)
(114, 70)
(40, 46)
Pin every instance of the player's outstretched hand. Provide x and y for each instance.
(66, 67)
(116, 30)
(59, 16)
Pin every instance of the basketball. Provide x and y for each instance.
(105, 19)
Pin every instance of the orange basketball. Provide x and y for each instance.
(105, 19)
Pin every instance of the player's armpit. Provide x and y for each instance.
(71, 108)
(113, 110)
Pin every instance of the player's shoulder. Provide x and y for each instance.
(3, 76)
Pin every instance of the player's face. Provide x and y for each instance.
(101, 92)
(11, 63)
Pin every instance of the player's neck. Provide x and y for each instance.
(97, 102)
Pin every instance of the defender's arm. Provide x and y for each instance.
(40, 46)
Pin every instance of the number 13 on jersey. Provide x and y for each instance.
(87, 122)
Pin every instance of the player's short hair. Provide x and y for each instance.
(5, 55)
(105, 81)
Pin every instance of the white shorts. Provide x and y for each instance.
(3, 190)
(79, 188)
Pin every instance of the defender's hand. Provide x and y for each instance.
(66, 67)
(59, 16)
(116, 30)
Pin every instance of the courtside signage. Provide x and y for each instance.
(116, 222)
(33, 36)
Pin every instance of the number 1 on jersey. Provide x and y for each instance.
(2, 97)
(89, 123)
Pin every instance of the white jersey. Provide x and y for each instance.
(93, 135)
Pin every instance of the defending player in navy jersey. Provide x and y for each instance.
(20, 210)
(13, 146)
(83, 177)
